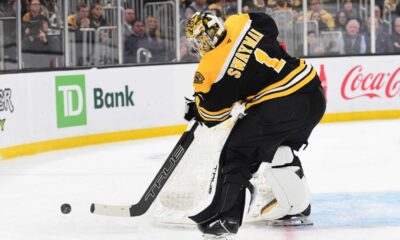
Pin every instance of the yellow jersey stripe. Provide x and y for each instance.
(207, 118)
(282, 82)
(286, 92)
(291, 83)
(210, 112)
(220, 115)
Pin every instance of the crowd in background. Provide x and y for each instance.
(354, 29)
(145, 39)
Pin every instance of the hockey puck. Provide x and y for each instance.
(65, 208)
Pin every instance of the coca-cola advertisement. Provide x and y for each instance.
(360, 84)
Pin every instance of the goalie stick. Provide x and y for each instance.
(156, 185)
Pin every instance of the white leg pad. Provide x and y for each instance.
(291, 192)
(283, 155)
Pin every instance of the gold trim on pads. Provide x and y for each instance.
(73, 142)
(59, 144)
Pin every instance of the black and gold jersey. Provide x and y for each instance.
(248, 66)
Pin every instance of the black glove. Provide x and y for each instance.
(190, 110)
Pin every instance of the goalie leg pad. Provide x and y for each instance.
(229, 199)
(287, 181)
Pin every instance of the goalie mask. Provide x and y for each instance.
(205, 31)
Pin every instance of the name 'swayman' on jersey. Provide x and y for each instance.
(243, 53)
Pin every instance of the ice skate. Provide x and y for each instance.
(297, 220)
(222, 229)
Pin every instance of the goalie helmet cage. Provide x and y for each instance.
(190, 188)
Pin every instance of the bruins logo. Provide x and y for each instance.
(198, 78)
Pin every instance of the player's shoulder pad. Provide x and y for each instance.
(237, 18)
(264, 23)
(201, 82)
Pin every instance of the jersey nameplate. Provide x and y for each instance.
(242, 55)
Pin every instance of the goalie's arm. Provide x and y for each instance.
(216, 105)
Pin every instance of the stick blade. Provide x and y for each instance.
(108, 210)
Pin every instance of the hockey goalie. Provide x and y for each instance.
(242, 62)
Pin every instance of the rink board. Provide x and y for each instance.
(46, 111)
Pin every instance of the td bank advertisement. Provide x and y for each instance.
(46, 106)
(73, 108)
(71, 101)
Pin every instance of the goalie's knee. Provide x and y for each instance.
(286, 178)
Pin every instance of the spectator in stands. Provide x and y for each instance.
(231, 7)
(196, 6)
(325, 16)
(248, 6)
(9, 35)
(52, 13)
(380, 3)
(156, 45)
(396, 13)
(215, 8)
(186, 54)
(260, 5)
(354, 42)
(135, 41)
(24, 7)
(383, 43)
(185, 4)
(314, 46)
(81, 17)
(297, 6)
(3, 8)
(349, 9)
(97, 20)
(96, 16)
(76, 22)
(9, 9)
(322, 26)
(35, 42)
(129, 18)
(152, 29)
(378, 15)
(282, 5)
(340, 21)
(396, 36)
(220, 7)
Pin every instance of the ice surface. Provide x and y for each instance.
(352, 169)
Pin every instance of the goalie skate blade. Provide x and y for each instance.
(303, 222)
(107, 210)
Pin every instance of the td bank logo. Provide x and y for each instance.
(71, 101)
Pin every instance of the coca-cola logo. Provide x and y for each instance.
(358, 84)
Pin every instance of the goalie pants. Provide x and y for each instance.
(286, 121)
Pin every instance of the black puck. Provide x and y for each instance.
(65, 208)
